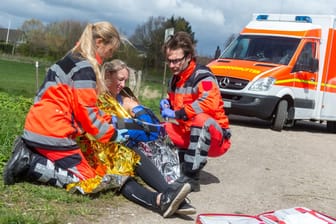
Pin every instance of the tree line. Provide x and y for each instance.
(141, 49)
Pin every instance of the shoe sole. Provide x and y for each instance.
(185, 190)
(189, 211)
(8, 177)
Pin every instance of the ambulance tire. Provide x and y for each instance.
(280, 115)
(331, 126)
(290, 123)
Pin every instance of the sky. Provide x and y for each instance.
(213, 21)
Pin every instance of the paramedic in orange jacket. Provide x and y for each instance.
(64, 108)
(195, 102)
(65, 105)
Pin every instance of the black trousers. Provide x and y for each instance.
(132, 190)
(148, 172)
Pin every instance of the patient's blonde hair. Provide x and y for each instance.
(113, 66)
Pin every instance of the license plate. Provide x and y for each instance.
(227, 104)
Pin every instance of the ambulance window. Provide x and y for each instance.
(242, 48)
(262, 48)
(306, 58)
(237, 49)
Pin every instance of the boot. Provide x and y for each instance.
(192, 179)
(171, 200)
(43, 170)
(189, 176)
(18, 165)
(26, 165)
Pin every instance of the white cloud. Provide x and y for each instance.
(211, 20)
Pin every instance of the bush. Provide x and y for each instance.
(13, 110)
(6, 48)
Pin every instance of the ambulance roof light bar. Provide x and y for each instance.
(305, 19)
(262, 17)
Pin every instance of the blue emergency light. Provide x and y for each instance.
(306, 19)
(262, 17)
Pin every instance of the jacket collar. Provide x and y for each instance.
(186, 73)
(99, 59)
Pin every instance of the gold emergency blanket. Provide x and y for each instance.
(113, 162)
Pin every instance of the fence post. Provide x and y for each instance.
(37, 75)
(134, 81)
(138, 83)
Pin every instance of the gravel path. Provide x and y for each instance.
(264, 170)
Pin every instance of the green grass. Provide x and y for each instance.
(12, 113)
(28, 203)
(19, 78)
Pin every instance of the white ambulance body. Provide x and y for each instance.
(281, 68)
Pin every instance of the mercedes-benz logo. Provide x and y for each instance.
(224, 82)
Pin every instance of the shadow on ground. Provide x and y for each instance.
(208, 178)
(300, 126)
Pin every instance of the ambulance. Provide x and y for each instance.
(282, 68)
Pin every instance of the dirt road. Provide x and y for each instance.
(264, 170)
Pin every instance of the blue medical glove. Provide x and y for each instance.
(167, 113)
(164, 103)
(121, 137)
(114, 120)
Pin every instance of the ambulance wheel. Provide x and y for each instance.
(290, 123)
(331, 126)
(280, 115)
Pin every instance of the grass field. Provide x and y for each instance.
(18, 78)
(29, 203)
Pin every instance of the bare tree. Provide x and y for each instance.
(149, 37)
(32, 25)
(52, 40)
(62, 36)
(36, 39)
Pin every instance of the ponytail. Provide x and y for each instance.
(87, 49)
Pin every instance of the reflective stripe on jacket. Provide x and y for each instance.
(66, 106)
(196, 91)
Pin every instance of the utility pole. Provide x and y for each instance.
(9, 23)
(168, 33)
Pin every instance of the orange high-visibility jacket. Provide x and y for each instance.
(65, 107)
(196, 91)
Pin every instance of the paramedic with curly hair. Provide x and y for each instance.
(194, 101)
